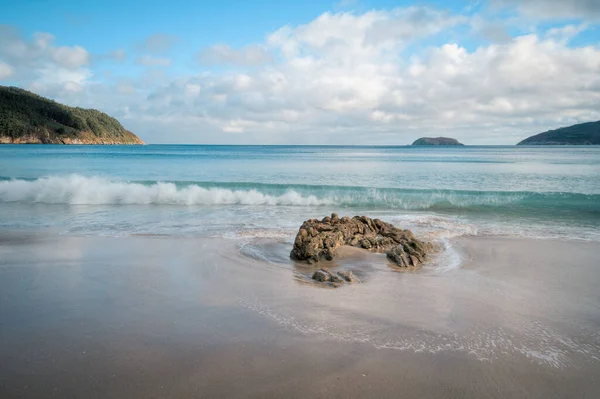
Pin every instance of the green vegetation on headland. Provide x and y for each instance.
(26, 118)
(436, 141)
(581, 134)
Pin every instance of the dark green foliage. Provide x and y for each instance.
(581, 134)
(25, 113)
(436, 141)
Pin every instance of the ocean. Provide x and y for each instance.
(164, 270)
(539, 192)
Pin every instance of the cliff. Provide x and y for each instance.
(26, 118)
(436, 141)
(581, 134)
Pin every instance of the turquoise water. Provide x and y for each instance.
(551, 192)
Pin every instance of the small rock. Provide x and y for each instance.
(322, 275)
(348, 276)
(403, 258)
(325, 276)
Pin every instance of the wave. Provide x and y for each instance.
(82, 190)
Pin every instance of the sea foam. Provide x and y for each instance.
(84, 190)
(80, 190)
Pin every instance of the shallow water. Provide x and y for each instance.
(544, 192)
(510, 299)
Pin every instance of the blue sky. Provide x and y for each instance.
(316, 72)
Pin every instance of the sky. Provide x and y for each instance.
(356, 72)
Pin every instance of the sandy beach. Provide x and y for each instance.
(189, 317)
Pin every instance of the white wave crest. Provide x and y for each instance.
(81, 190)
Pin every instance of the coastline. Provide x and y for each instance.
(189, 316)
(86, 139)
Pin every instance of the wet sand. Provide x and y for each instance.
(187, 317)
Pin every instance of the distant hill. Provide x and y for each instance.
(581, 134)
(26, 118)
(436, 141)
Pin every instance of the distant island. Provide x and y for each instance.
(581, 134)
(26, 118)
(436, 141)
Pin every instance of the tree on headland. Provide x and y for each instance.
(23, 113)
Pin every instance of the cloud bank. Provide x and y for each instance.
(378, 77)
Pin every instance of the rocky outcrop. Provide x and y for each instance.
(581, 134)
(436, 141)
(337, 279)
(320, 239)
(83, 138)
(27, 118)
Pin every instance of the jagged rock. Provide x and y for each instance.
(405, 256)
(318, 239)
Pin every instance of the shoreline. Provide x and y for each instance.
(171, 317)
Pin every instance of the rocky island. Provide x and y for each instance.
(436, 141)
(26, 118)
(320, 239)
(581, 134)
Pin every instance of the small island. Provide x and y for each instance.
(436, 141)
(581, 134)
(27, 118)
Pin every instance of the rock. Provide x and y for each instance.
(322, 275)
(335, 280)
(348, 276)
(399, 257)
(427, 141)
(321, 239)
(325, 276)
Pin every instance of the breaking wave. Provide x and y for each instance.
(81, 190)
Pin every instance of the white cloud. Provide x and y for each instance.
(58, 81)
(158, 43)
(149, 61)
(366, 35)
(380, 77)
(566, 33)
(339, 73)
(5, 70)
(222, 54)
(555, 9)
(125, 86)
(495, 31)
(41, 65)
(70, 57)
(118, 55)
